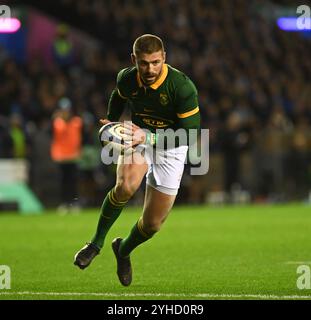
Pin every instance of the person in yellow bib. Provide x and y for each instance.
(159, 97)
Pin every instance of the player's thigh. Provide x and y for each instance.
(156, 207)
(131, 170)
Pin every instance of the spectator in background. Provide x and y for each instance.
(272, 143)
(18, 136)
(65, 150)
(298, 165)
(234, 139)
(63, 47)
(10, 78)
(6, 143)
(89, 161)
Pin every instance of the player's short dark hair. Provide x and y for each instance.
(147, 43)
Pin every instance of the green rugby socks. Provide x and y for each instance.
(109, 213)
(136, 237)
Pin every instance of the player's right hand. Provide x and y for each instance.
(104, 121)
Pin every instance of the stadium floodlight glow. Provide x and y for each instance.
(291, 24)
(9, 25)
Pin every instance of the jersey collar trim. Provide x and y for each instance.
(157, 84)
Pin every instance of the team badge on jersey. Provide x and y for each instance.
(163, 99)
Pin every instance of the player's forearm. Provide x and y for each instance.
(116, 106)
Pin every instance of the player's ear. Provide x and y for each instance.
(164, 56)
(133, 58)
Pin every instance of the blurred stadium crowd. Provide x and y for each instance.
(254, 83)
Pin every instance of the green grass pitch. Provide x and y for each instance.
(201, 253)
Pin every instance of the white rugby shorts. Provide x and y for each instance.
(165, 168)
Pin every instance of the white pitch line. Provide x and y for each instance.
(298, 262)
(183, 295)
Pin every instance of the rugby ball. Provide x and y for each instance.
(112, 134)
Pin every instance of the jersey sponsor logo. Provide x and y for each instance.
(164, 99)
(155, 123)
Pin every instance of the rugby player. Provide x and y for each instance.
(159, 97)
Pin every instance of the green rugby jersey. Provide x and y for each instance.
(170, 102)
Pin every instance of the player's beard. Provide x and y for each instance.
(150, 78)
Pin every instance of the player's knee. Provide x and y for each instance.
(125, 190)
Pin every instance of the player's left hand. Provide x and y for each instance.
(136, 134)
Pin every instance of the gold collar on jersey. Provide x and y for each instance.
(157, 84)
